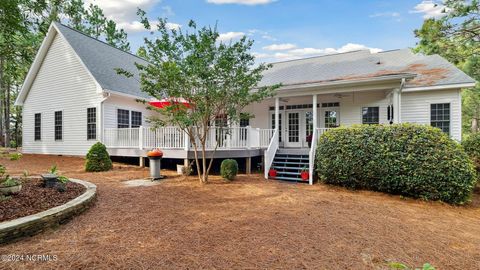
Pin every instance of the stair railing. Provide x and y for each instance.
(271, 151)
(311, 156)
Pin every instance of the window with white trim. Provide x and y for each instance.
(58, 126)
(91, 123)
(440, 116)
(123, 118)
(370, 115)
(38, 127)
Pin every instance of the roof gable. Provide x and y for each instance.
(102, 60)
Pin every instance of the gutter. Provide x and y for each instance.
(347, 82)
(106, 95)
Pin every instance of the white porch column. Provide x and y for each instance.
(314, 112)
(397, 106)
(277, 114)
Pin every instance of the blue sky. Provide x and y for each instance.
(287, 29)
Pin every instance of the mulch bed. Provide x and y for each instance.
(248, 223)
(33, 198)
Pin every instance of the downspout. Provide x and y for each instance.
(106, 95)
(396, 102)
(399, 105)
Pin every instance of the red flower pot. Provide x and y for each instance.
(157, 153)
(304, 175)
(272, 173)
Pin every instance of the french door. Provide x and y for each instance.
(293, 129)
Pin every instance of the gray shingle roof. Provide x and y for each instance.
(102, 59)
(431, 70)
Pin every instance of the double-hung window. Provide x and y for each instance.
(38, 127)
(58, 126)
(136, 119)
(370, 115)
(123, 118)
(440, 116)
(91, 123)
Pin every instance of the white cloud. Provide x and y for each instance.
(280, 47)
(137, 26)
(431, 9)
(229, 36)
(308, 52)
(124, 13)
(241, 2)
(355, 47)
(385, 14)
(263, 34)
(261, 55)
(167, 11)
(122, 10)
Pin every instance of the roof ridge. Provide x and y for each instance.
(318, 56)
(101, 41)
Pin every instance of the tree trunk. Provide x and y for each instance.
(2, 100)
(474, 127)
(7, 115)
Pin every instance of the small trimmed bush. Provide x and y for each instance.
(229, 169)
(471, 144)
(412, 160)
(98, 159)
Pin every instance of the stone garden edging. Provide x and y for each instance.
(30, 225)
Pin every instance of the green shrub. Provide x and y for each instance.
(229, 169)
(98, 159)
(471, 144)
(406, 159)
(15, 156)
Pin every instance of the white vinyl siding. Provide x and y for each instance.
(61, 84)
(416, 108)
(114, 103)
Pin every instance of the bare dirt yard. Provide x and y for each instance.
(249, 223)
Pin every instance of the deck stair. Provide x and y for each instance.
(289, 164)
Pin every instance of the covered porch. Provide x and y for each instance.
(300, 114)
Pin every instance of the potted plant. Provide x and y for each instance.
(53, 180)
(272, 173)
(62, 183)
(10, 186)
(304, 174)
(309, 140)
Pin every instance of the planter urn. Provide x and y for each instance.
(50, 180)
(10, 190)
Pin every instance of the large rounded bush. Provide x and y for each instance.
(98, 159)
(471, 144)
(407, 159)
(229, 169)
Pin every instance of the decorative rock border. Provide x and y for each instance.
(30, 225)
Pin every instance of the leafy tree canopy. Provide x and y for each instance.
(218, 80)
(456, 36)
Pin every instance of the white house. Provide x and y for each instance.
(72, 97)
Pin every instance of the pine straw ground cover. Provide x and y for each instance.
(34, 198)
(247, 223)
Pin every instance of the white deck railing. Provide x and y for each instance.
(175, 138)
(271, 151)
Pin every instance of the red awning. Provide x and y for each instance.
(168, 102)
